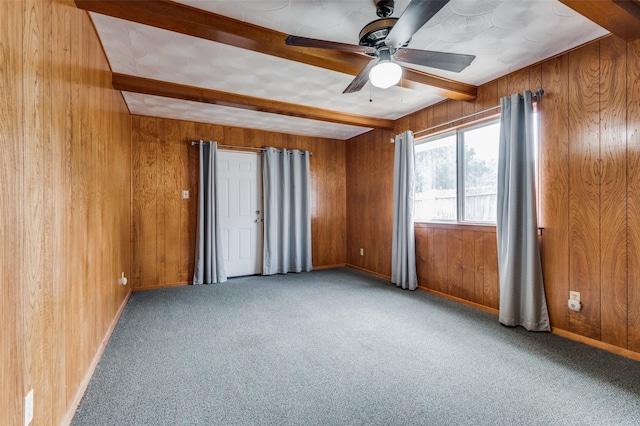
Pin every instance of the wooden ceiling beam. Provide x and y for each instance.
(129, 83)
(183, 19)
(620, 17)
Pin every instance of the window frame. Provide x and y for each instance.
(458, 131)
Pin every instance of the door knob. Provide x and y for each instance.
(258, 220)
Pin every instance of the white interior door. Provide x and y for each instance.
(240, 175)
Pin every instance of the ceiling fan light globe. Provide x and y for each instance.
(385, 75)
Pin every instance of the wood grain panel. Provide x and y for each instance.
(174, 150)
(440, 115)
(518, 82)
(487, 96)
(454, 109)
(57, 181)
(423, 120)
(424, 247)
(584, 196)
(502, 87)
(75, 310)
(535, 77)
(439, 259)
(370, 173)
(491, 293)
(355, 196)
(406, 123)
(554, 188)
(468, 262)
(188, 208)
(453, 260)
(468, 107)
(328, 173)
(633, 194)
(613, 191)
(147, 168)
(97, 209)
(479, 267)
(36, 136)
(454, 263)
(12, 380)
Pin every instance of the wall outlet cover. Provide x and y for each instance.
(28, 408)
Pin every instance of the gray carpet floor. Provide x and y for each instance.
(339, 347)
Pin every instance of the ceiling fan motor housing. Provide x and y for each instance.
(374, 33)
(384, 8)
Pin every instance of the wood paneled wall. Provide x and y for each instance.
(589, 195)
(65, 205)
(458, 261)
(370, 212)
(164, 225)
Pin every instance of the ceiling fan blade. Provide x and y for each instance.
(323, 44)
(455, 62)
(361, 79)
(413, 18)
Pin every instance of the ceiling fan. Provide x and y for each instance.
(385, 39)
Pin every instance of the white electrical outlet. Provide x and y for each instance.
(185, 194)
(361, 251)
(28, 408)
(574, 295)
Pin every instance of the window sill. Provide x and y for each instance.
(457, 226)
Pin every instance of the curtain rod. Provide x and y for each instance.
(535, 96)
(236, 146)
(230, 146)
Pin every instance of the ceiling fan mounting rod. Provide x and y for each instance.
(384, 8)
(384, 54)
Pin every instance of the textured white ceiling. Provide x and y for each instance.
(505, 35)
(157, 106)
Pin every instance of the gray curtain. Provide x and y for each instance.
(287, 213)
(403, 251)
(209, 260)
(522, 298)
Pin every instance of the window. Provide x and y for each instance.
(456, 175)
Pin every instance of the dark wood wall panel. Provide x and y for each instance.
(491, 292)
(439, 262)
(468, 264)
(589, 205)
(454, 263)
(370, 215)
(147, 169)
(65, 167)
(584, 181)
(554, 178)
(633, 194)
(613, 191)
(165, 163)
(458, 261)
